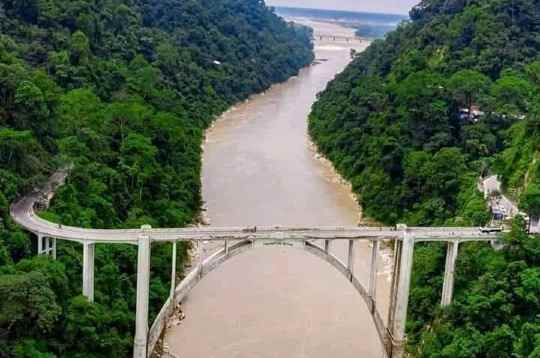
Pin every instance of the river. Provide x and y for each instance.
(260, 169)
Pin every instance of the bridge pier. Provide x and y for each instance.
(398, 314)
(173, 272)
(88, 270)
(327, 246)
(46, 246)
(143, 290)
(372, 286)
(450, 267)
(350, 260)
(39, 244)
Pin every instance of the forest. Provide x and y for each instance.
(453, 94)
(121, 91)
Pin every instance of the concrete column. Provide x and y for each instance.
(39, 244)
(448, 285)
(88, 270)
(46, 246)
(327, 246)
(350, 261)
(173, 272)
(372, 287)
(393, 288)
(54, 249)
(200, 250)
(402, 295)
(226, 247)
(143, 290)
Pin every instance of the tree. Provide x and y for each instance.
(29, 305)
(80, 48)
(30, 348)
(533, 72)
(467, 85)
(530, 201)
(138, 158)
(32, 108)
(511, 93)
(89, 325)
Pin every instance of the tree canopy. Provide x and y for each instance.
(413, 123)
(122, 91)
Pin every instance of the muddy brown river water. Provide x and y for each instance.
(259, 169)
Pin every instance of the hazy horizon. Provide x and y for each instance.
(401, 7)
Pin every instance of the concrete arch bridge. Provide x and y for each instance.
(336, 38)
(315, 240)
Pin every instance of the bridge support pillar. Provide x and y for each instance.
(401, 300)
(39, 244)
(143, 290)
(372, 287)
(327, 246)
(173, 272)
(450, 267)
(46, 246)
(350, 260)
(88, 270)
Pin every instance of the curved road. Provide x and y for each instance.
(23, 213)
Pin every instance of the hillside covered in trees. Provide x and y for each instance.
(122, 90)
(454, 93)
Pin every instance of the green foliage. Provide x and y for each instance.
(530, 200)
(467, 85)
(393, 122)
(28, 305)
(495, 309)
(123, 90)
(92, 325)
(398, 123)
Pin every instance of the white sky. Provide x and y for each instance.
(387, 6)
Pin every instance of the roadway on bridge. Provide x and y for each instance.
(24, 213)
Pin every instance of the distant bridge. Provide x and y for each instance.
(322, 37)
(238, 240)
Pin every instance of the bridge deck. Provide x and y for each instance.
(24, 214)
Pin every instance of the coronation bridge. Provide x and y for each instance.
(336, 38)
(315, 240)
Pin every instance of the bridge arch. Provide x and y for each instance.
(243, 239)
(228, 252)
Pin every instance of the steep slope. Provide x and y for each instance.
(413, 122)
(404, 95)
(123, 90)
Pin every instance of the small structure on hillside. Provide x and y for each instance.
(534, 225)
(473, 114)
(497, 214)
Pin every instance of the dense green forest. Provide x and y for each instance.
(123, 90)
(451, 95)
